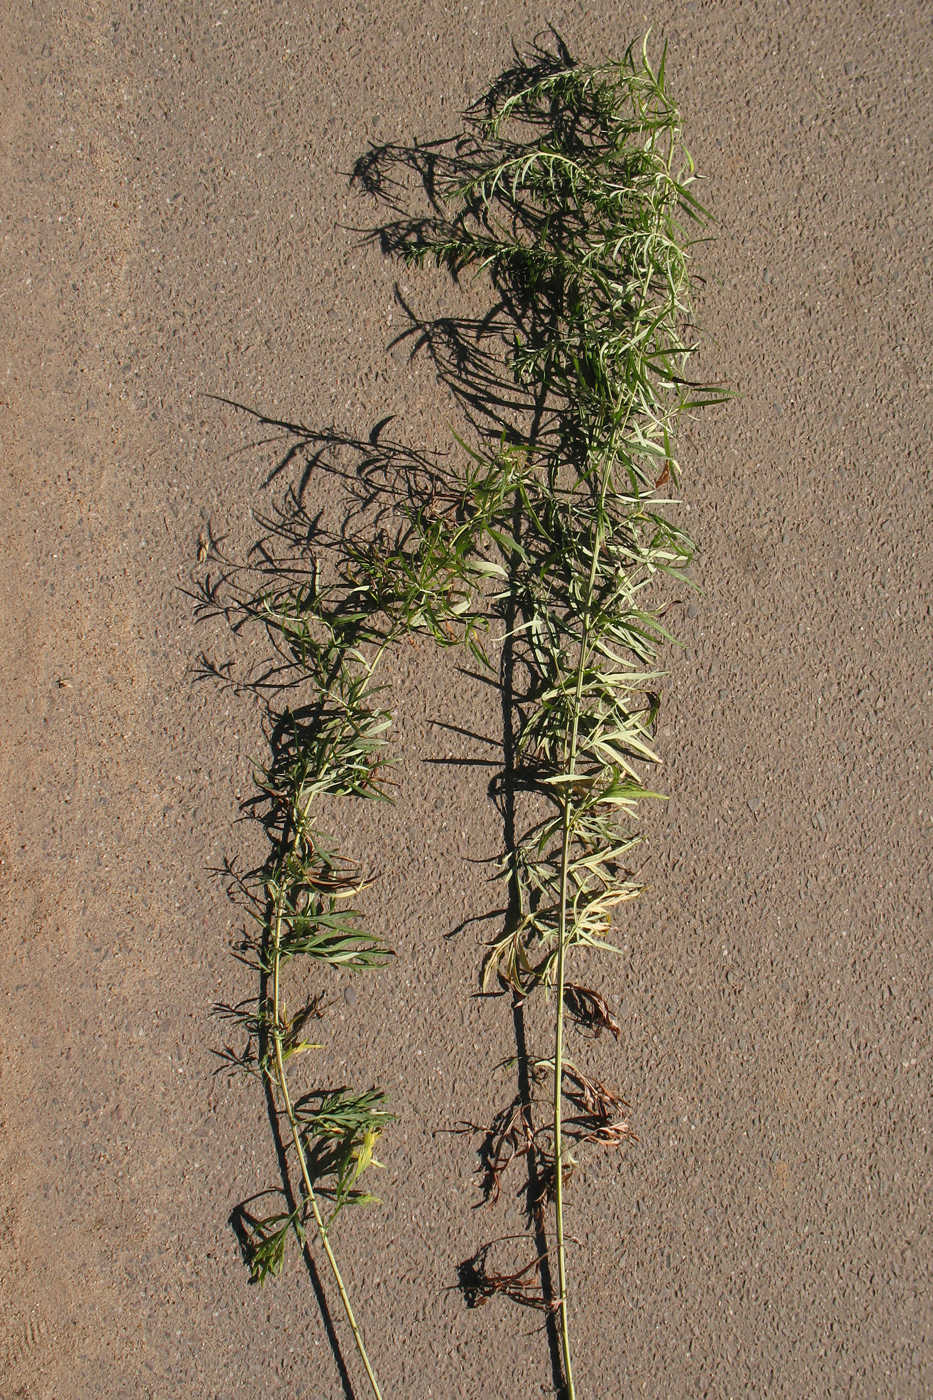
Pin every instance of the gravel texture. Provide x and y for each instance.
(177, 223)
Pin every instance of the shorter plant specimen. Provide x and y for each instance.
(394, 571)
(304, 900)
(569, 190)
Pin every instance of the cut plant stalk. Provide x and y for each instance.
(339, 752)
(332, 638)
(302, 897)
(571, 190)
(357, 1130)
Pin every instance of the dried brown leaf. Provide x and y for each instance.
(524, 1286)
(590, 1011)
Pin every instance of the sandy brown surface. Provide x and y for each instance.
(176, 220)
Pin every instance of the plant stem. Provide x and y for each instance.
(572, 200)
(558, 1140)
(563, 935)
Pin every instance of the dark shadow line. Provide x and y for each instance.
(467, 733)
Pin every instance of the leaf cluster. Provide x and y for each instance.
(340, 1130)
(572, 192)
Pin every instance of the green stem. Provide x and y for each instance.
(564, 935)
(558, 1139)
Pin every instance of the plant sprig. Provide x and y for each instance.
(329, 641)
(339, 751)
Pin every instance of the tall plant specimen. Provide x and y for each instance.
(571, 190)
